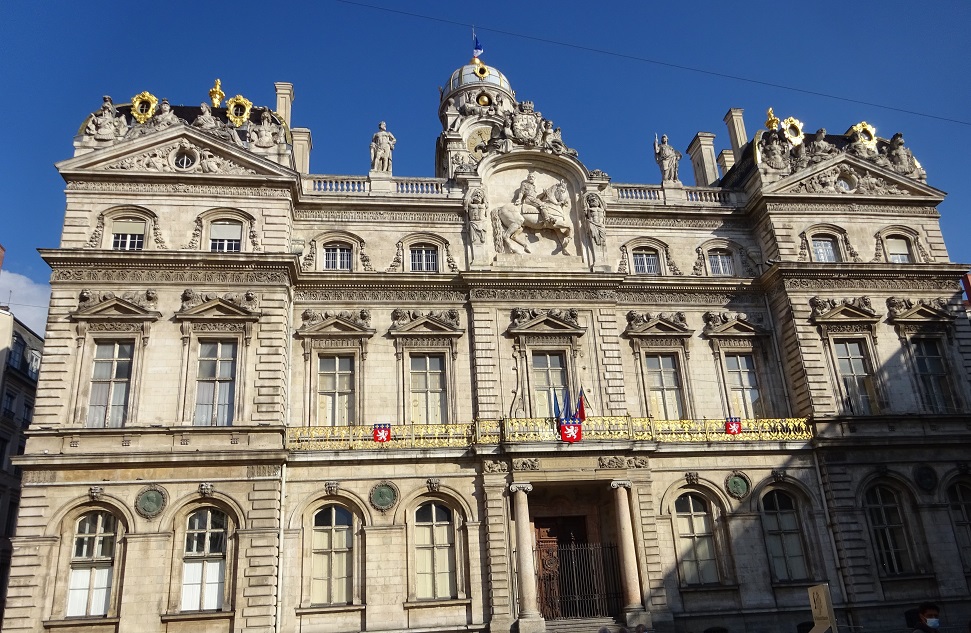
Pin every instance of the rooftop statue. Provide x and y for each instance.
(104, 125)
(163, 119)
(267, 133)
(902, 160)
(667, 159)
(819, 149)
(382, 144)
(211, 125)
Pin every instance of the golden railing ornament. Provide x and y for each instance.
(143, 106)
(216, 94)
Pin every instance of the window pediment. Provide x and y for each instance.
(731, 324)
(94, 306)
(346, 323)
(207, 306)
(526, 321)
(858, 310)
(435, 324)
(923, 316)
(662, 324)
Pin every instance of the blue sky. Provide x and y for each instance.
(353, 66)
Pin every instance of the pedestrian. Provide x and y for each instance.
(928, 618)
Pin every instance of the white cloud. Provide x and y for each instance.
(27, 299)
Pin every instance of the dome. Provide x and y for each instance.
(479, 75)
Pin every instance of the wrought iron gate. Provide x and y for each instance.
(578, 580)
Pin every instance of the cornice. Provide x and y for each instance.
(859, 276)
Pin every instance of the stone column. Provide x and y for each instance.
(530, 620)
(633, 604)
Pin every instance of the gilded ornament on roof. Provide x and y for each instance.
(771, 120)
(866, 133)
(216, 94)
(238, 109)
(792, 128)
(143, 106)
(481, 70)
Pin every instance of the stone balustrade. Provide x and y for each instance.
(327, 185)
(522, 430)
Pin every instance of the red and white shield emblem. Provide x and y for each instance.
(733, 426)
(571, 433)
(381, 432)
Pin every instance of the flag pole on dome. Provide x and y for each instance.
(476, 47)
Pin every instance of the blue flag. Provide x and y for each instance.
(476, 48)
(556, 406)
(567, 410)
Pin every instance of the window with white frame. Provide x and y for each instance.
(428, 393)
(647, 261)
(92, 564)
(549, 380)
(783, 536)
(225, 236)
(825, 249)
(742, 382)
(959, 502)
(216, 383)
(17, 348)
(696, 540)
(898, 249)
(856, 376)
(128, 234)
(337, 256)
(435, 572)
(664, 396)
(888, 532)
(932, 375)
(204, 560)
(424, 258)
(110, 384)
(721, 263)
(331, 556)
(335, 390)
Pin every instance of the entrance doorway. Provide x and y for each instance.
(575, 578)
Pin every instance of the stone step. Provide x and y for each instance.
(583, 625)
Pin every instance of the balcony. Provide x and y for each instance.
(526, 430)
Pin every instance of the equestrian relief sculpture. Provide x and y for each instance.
(532, 208)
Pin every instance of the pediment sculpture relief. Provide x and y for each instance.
(360, 318)
(248, 300)
(521, 316)
(181, 157)
(88, 299)
(401, 318)
(821, 306)
(897, 306)
(548, 210)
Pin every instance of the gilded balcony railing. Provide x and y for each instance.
(522, 430)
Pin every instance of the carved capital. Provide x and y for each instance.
(522, 486)
(621, 483)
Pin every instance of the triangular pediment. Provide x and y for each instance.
(115, 309)
(848, 176)
(736, 328)
(645, 324)
(921, 313)
(425, 326)
(828, 311)
(217, 309)
(546, 325)
(335, 326)
(165, 152)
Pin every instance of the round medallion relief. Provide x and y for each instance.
(150, 501)
(383, 495)
(738, 485)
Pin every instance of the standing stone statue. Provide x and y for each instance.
(382, 144)
(595, 218)
(477, 208)
(667, 159)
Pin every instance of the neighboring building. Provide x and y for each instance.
(20, 354)
(776, 384)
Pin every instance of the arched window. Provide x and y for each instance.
(825, 249)
(696, 540)
(424, 258)
(959, 498)
(92, 564)
(898, 249)
(434, 552)
(721, 263)
(225, 236)
(888, 532)
(647, 261)
(331, 556)
(337, 256)
(128, 234)
(204, 560)
(783, 536)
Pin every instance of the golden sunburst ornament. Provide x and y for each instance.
(143, 106)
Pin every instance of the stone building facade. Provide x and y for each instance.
(278, 401)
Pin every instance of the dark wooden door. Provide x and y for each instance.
(552, 533)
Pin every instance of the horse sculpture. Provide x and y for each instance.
(509, 220)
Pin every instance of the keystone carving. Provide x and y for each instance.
(96, 492)
(332, 487)
(434, 484)
(206, 489)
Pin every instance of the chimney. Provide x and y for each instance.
(726, 160)
(284, 99)
(736, 131)
(702, 152)
(302, 145)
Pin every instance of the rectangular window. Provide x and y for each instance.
(743, 385)
(9, 403)
(663, 386)
(898, 250)
(549, 377)
(225, 237)
(720, 263)
(335, 391)
(128, 235)
(935, 387)
(28, 411)
(202, 584)
(10, 527)
(216, 383)
(428, 389)
(824, 250)
(337, 258)
(89, 583)
(647, 263)
(855, 374)
(110, 384)
(424, 259)
(696, 541)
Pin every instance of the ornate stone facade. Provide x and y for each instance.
(375, 432)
